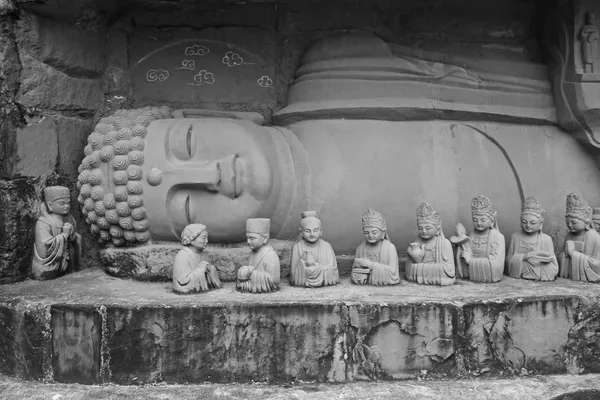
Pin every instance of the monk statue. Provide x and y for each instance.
(430, 259)
(531, 252)
(580, 257)
(589, 36)
(376, 259)
(192, 273)
(313, 260)
(482, 258)
(57, 248)
(262, 274)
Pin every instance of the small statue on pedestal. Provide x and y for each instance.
(57, 248)
(580, 258)
(313, 260)
(482, 258)
(192, 272)
(376, 259)
(531, 252)
(262, 274)
(430, 259)
(589, 36)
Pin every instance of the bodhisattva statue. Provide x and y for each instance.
(376, 259)
(57, 248)
(589, 36)
(430, 259)
(262, 274)
(531, 252)
(580, 258)
(192, 273)
(482, 258)
(313, 260)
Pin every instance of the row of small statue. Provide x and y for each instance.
(480, 256)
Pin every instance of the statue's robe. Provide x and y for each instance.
(584, 264)
(487, 263)
(517, 267)
(437, 267)
(188, 277)
(385, 265)
(265, 275)
(54, 254)
(323, 273)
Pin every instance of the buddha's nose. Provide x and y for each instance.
(202, 173)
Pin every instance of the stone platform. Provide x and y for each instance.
(89, 328)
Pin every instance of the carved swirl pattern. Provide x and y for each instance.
(196, 50)
(232, 59)
(157, 75)
(264, 81)
(204, 77)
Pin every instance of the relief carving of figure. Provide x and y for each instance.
(430, 259)
(313, 260)
(589, 36)
(57, 248)
(482, 258)
(262, 274)
(376, 259)
(531, 252)
(192, 273)
(579, 259)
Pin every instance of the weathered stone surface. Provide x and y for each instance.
(583, 348)
(37, 148)
(45, 87)
(72, 135)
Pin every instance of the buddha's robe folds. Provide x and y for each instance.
(487, 263)
(54, 254)
(437, 267)
(532, 268)
(264, 272)
(384, 265)
(189, 277)
(584, 264)
(322, 272)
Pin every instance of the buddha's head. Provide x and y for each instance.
(195, 235)
(532, 216)
(590, 18)
(374, 227)
(58, 200)
(257, 232)
(484, 213)
(310, 227)
(578, 214)
(429, 223)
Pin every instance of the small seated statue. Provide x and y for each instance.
(313, 260)
(192, 272)
(430, 259)
(531, 252)
(481, 259)
(579, 260)
(262, 274)
(57, 248)
(376, 259)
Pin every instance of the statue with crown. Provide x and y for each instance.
(481, 258)
(57, 247)
(531, 252)
(579, 258)
(430, 259)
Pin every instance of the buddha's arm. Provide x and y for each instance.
(272, 267)
(327, 259)
(392, 264)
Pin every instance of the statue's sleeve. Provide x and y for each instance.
(297, 273)
(386, 274)
(586, 266)
(49, 248)
(329, 267)
(514, 261)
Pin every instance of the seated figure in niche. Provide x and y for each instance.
(192, 273)
(531, 252)
(430, 259)
(313, 260)
(482, 258)
(376, 259)
(57, 248)
(580, 258)
(262, 274)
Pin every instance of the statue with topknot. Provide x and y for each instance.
(313, 260)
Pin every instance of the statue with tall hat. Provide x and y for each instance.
(531, 252)
(262, 274)
(313, 260)
(430, 259)
(481, 259)
(579, 256)
(192, 273)
(57, 248)
(376, 258)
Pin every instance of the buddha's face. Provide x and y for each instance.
(530, 223)
(575, 225)
(427, 230)
(59, 206)
(256, 240)
(482, 223)
(201, 241)
(311, 230)
(373, 235)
